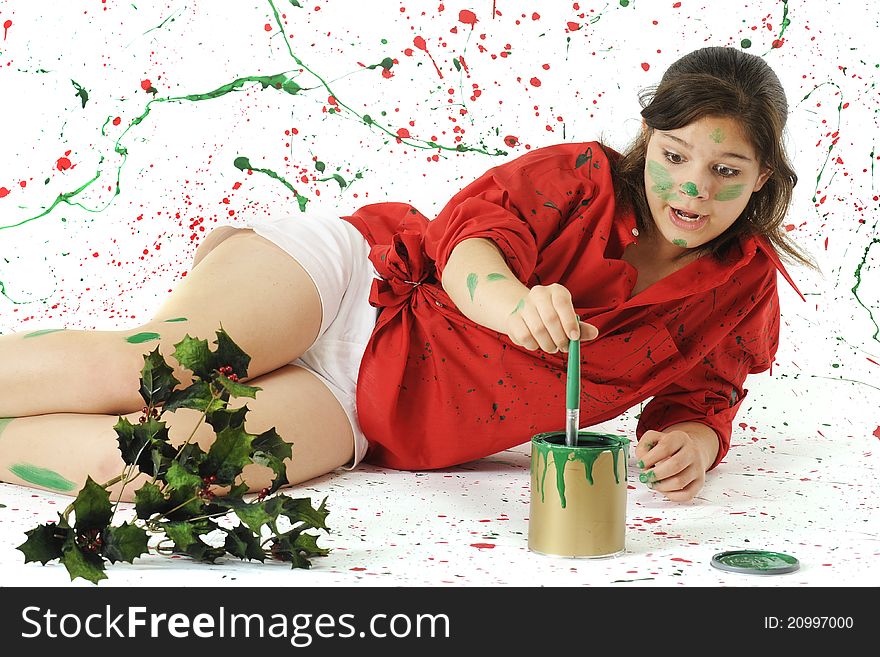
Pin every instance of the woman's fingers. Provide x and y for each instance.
(548, 321)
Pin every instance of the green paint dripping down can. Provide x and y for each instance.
(578, 495)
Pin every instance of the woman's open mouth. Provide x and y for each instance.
(687, 220)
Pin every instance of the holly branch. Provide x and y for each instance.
(180, 505)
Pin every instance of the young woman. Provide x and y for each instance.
(419, 344)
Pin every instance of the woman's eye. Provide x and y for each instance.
(726, 172)
(675, 158)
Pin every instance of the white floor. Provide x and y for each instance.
(812, 497)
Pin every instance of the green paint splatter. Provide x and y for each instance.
(624, 3)
(137, 338)
(662, 181)
(4, 422)
(648, 477)
(81, 93)
(41, 477)
(519, 306)
(43, 332)
(717, 135)
(729, 192)
(855, 289)
(177, 319)
(745, 43)
(679, 242)
(496, 277)
(472, 284)
(244, 164)
(690, 189)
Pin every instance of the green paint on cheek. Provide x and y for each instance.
(496, 277)
(472, 284)
(43, 332)
(4, 422)
(717, 135)
(41, 477)
(690, 189)
(137, 338)
(177, 319)
(519, 306)
(680, 243)
(729, 192)
(662, 181)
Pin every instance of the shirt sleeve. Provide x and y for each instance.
(520, 205)
(712, 391)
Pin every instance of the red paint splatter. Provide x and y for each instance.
(645, 66)
(877, 432)
(3, 192)
(267, 27)
(483, 545)
(357, 569)
(117, 121)
(421, 44)
(676, 5)
(403, 133)
(777, 43)
(681, 560)
(511, 140)
(146, 85)
(573, 27)
(467, 17)
(535, 82)
(63, 164)
(6, 25)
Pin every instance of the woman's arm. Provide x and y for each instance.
(478, 280)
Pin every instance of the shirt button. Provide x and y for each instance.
(635, 232)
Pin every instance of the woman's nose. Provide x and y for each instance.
(694, 189)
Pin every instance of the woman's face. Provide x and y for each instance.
(698, 180)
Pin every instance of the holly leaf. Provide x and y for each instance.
(254, 515)
(237, 389)
(271, 450)
(301, 510)
(183, 504)
(229, 354)
(225, 417)
(157, 379)
(92, 507)
(242, 543)
(44, 543)
(80, 564)
(178, 477)
(146, 445)
(201, 551)
(182, 533)
(228, 455)
(308, 544)
(124, 543)
(197, 396)
(191, 457)
(148, 501)
(194, 355)
(284, 549)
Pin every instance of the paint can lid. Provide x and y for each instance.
(755, 562)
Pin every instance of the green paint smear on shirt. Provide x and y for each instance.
(472, 284)
(496, 277)
(177, 319)
(41, 477)
(590, 447)
(43, 332)
(690, 189)
(717, 135)
(137, 338)
(662, 181)
(758, 560)
(729, 192)
(680, 243)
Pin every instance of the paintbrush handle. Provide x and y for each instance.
(573, 393)
(572, 423)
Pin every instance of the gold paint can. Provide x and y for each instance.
(578, 495)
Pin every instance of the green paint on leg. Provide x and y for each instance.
(690, 189)
(729, 192)
(717, 135)
(41, 477)
(662, 181)
(680, 243)
(496, 277)
(4, 422)
(177, 319)
(43, 332)
(472, 284)
(137, 338)
(519, 306)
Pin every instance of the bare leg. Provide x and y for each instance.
(56, 452)
(266, 301)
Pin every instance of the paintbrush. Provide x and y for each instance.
(573, 394)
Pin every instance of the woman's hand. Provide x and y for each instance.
(673, 463)
(545, 319)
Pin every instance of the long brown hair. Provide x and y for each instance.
(720, 82)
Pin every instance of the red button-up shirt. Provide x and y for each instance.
(436, 389)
